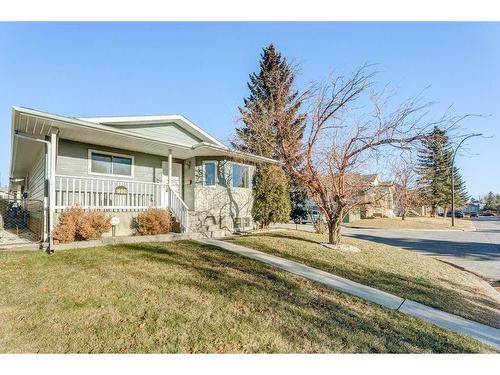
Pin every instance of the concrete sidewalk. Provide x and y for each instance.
(478, 331)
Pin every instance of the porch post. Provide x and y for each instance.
(169, 167)
(169, 178)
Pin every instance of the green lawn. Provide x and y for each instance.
(187, 297)
(401, 272)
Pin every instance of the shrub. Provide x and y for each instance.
(66, 229)
(76, 224)
(153, 221)
(93, 226)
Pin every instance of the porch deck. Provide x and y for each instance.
(118, 195)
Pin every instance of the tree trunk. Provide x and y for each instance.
(433, 211)
(334, 226)
(404, 214)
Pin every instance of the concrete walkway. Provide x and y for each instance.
(478, 331)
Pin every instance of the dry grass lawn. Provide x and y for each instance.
(394, 270)
(184, 297)
(412, 223)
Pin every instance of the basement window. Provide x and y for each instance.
(241, 223)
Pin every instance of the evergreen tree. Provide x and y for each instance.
(461, 196)
(433, 169)
(273, 105)
(298, 198)
(272, 200)
(272, 99)
(434, 166)
(490, 202)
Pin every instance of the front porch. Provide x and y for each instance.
(118, 195)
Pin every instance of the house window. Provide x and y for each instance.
(241, 223)
(111, 164)
(239, 175)
(209, 173)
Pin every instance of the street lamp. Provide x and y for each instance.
(453, 176)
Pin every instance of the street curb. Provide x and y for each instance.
(414, 229)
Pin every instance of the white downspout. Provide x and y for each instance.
(52, 186)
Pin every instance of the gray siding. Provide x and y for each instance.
(36, 193)
(36, 179)
(169, 132)
(72, 160)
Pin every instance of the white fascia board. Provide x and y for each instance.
(180, 120)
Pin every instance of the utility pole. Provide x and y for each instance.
(453, 176)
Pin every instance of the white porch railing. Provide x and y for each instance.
(178, 207)
(118, 196)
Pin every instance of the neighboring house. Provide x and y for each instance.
(471, 207)
(369, 188)
(124, 165)
(381, 195)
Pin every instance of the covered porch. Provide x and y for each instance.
(118, 195)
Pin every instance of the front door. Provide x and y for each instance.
(176, 179)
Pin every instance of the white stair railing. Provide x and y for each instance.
(178, 207)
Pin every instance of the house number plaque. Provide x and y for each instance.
(121, 190)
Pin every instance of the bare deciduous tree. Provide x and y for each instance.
(341, 137)
(405, 177)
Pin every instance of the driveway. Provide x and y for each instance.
(477, 251)
(10, 240)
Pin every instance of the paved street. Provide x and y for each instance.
(477, 251)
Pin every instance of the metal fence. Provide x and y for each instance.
(21, 221)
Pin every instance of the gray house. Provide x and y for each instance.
(124, 165)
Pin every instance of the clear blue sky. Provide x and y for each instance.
(200, 70)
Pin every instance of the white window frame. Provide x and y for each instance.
(216, 172)
(89, 164)
(248, 167)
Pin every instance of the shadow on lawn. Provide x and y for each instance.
(471, 305)
(306, 316)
